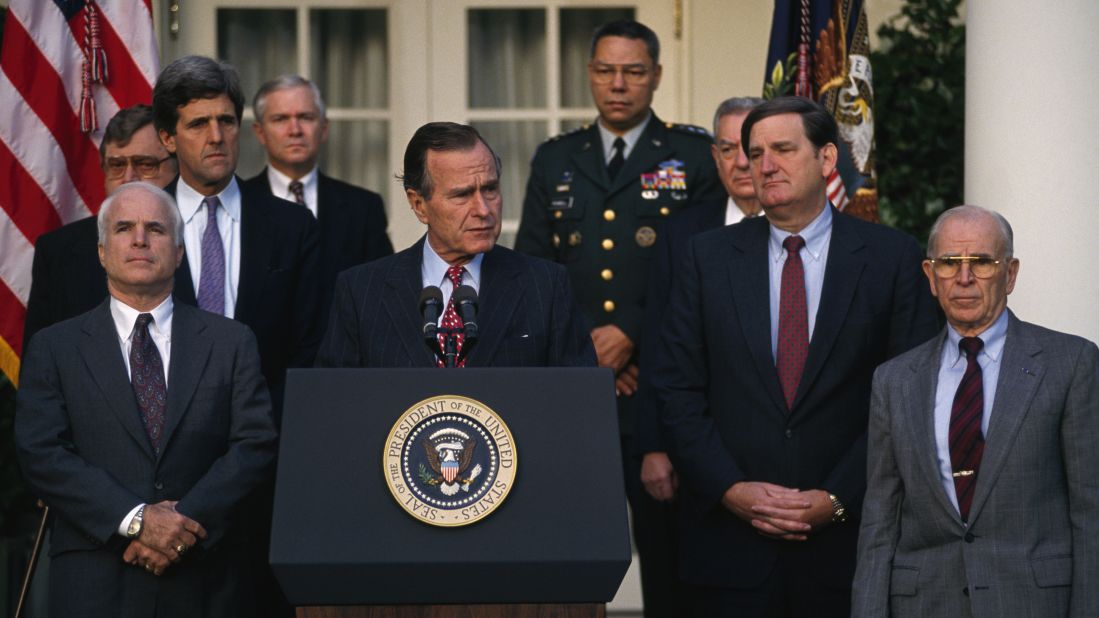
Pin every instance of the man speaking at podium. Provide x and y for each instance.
(454, 298)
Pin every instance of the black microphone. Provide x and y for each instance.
(431, 307)
(465, 303)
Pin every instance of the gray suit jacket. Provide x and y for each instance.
(1032, 545)
(84, 450)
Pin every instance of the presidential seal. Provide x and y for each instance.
(449, 460)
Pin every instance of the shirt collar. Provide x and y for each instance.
(631, 137)
(189, 200)
(125, 316)
(993, 337)
(816, 236)
(434, 268)
(280, 183)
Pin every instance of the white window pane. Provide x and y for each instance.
(349, 56)
(260, 43)
(358, 152)
(507, 58)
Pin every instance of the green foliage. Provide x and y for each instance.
(919, 104)
(781, 82)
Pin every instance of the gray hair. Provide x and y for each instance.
(734, 105)
(285, 82)
(175, 220)
(971, 212)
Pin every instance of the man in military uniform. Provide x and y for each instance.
(596, 201)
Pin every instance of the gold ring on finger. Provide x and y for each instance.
(181, 548)
(148, 566)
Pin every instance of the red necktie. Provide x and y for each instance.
(967, 443)
(793, 321)
(452, 323)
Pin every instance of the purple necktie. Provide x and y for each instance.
(452, 322)
(793, 321)
(211, 281)
(147, 380)
(967, 444)
(298, 190)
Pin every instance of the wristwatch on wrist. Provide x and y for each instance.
(839, 514)
(137, 523)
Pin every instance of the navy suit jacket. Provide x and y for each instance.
(724, 409)
(83, 449)
(278, 295)
(67, 279)
(526, 314)
(351, 222)
(668, 255)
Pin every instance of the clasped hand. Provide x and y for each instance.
(779, 512)
(165, 537)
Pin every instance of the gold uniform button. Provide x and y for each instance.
(608, 214)
(608, 244)
(607, 274)
(557, 214)
(608, 306)
(664, 211)
(556, 241)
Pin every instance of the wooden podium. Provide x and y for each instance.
(557, 545)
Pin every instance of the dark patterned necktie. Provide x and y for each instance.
(298, 191)
(967, 443)
(211, 279)
(147, 380)
(452, 323)
(618, 159)
(793, 321)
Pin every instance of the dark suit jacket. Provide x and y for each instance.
(724, 409)
(279, 291)
(668, 256)
(67, 279)
(352, 224)
(526, 314)
(1031, 547)
(83, 449)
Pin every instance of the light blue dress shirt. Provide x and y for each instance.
(814, 257)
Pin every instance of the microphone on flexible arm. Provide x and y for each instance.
(431, 307)
(465, 303)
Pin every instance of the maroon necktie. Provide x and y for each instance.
(793, 321)
(298, 190)
(147, 380)
(967, 444)
(451, 322)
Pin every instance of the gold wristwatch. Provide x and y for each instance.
(839, 514)
(137, 523)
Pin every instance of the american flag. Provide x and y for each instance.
(66, 67)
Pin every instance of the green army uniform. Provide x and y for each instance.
(603, 231)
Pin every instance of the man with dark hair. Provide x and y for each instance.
(526, 314)
(981, 497)
(145, 425)
(67, 279)
(291, 125)
(774, 328)
(596, 202)
(250, 256)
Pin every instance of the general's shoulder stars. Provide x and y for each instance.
(579, 129)
(689, 129)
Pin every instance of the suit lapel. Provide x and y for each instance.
(500, 293)
(256, 235)
(589, 160)
(190, 351)
(651, 149)
(1021, 371)
(103, 358)
(918, 406)
(750, 281)
(405, 280)
(841, 278)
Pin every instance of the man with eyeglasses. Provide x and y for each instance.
(981, 495)
(67, 279)
(596, 202)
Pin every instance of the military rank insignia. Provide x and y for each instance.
(449, 461)
(669, 176)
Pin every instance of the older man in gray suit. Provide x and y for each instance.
(145, 425)
(982, 495)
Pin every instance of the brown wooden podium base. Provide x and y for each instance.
(525, 610)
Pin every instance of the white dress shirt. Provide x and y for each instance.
(193, 211)
(160, 330)
(280, 187)
(733, 213)
(814, 257)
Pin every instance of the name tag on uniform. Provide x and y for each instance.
(561, 203)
